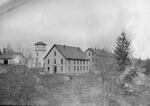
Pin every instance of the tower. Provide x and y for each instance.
(40, 50)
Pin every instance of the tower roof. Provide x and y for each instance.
(40, 43)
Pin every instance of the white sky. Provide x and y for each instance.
(84, 23)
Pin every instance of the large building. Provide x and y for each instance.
(66, 59)
(40, 51)
(98, 58)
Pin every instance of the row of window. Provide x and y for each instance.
(81, 68)
(95, 59)
(94, 65)
(48, 61)
(75, 61)
(75, 68)
(48, 68)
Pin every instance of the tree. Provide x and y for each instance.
(122, 52)
(147, 66)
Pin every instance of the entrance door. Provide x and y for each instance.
(55, 69)
(5, 61)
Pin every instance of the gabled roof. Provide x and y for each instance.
(69, 52)
(10, 55)
(40, 43)
(100, 52)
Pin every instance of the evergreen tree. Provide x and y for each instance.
(122, 52)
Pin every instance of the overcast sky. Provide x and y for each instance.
(84, 23)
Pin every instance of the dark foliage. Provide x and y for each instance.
(16, 88)
(122, 52)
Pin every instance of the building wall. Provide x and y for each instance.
(97, 62)
(75, 67)
(40, 51)
(51, 63)
(93, 63)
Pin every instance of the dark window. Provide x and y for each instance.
(48, 68)
(95, 59)
(36, 59)
(92, 59)
(54, 61)
(61, 68)
(55, 53)
(74, 61)
(61, 61)
(77, 68)
(48, 61)
(80, 67)
(74, 68)
(83, 67)
(69, 61)
(92, 53)
(83, 62)
(89, 54)
(87, 68)
(80, 61)
(95, 65)
(37, 53)
(69, 68)
(77, 61)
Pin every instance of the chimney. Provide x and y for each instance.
(64, 46)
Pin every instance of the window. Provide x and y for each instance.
(77, 68)
(74, 61)
(89, 54)
(55, 53)
(95, 59)
(77, 61)
(74, 68)
(87, 67)
(36, 59)
(48, 61)
(61, 68)
(83, 62)
(92, 65)
(95, 65)
(92, 59)
(80, 67)
(48, 68)
(80, 61)
(37, 53)
(61, 61)
(83, 67)
(69, 61)
(69, 68)
(54, 61)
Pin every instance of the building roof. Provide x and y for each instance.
(40, 43)
(69, 52)
(9, 55)
(100, 52)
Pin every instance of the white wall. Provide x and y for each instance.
(51, 64)
(65, 65)
(40, 52)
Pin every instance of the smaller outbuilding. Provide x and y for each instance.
(12, 59)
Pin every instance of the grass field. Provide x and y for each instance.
(82, 90)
